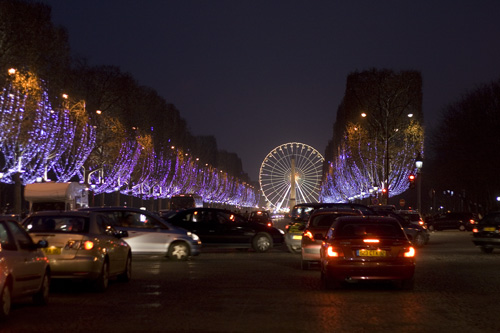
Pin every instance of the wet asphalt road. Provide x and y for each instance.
(457, 290)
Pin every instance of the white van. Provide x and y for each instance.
(56, 196)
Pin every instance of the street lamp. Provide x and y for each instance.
(418, 164)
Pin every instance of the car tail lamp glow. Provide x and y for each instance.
(410, 252)
(333, 252)
(421, 222)
(371, 241)
(269, 224)
(475, 230)
(308, 234)
(88, 245)
(79, 245)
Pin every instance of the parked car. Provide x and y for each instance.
(486, 234)
(300, 215)
(317, 226)
(262, 217)
(24, 268)
(82, 245)
(149, 234)
(418, 234)
(360, 248)
(462, 221)
(223, 228)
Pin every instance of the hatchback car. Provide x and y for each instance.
(418, 234)
(150, 234)
(24, 268)
(318, 225)
(262, 217)
(411, 216)
(300, 215)
(452, 220)
(366, 248)
(82, 245)
(223, 228)
(486, 234)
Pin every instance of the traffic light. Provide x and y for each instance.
(411, 179)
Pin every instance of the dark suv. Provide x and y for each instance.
(223, 228)
(462, 221)
(486, 234)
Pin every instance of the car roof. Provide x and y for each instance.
(351, 205)
(366, 219)
(337, 210)
(63, 213)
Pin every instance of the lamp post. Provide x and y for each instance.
(418, 164)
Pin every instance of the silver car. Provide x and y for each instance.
(82, 245)
(24, 268)
(150, 234)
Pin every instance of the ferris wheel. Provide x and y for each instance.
(275, 175)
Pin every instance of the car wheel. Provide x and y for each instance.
(178, 251)
(5, 298)
(42, 295)
(461, 227)
(127, 273)
(102, 282)
(262, 242)
(419, 240)
(486, 249)
(431, 227)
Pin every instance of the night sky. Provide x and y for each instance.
(257, 74)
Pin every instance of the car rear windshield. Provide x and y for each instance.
(382, 230)
(492, 219)
(325, 220)
(59, 224)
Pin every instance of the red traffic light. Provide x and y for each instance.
(411, 178)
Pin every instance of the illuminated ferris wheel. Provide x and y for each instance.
(289, 161)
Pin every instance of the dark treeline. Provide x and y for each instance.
(464, 151)
(31, 42)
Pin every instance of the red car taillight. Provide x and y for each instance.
(79, 245)
(409, 252)
(309, 235)
(334, 252)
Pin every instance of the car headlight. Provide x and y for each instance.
(193, 236)
(282, 232)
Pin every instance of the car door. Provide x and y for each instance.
(146, 233)
(204, 223)
(29, 265)
(117, 253)
(234, 229)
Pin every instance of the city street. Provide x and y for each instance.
(457, 290)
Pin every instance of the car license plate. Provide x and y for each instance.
(489, 229)
(52, 250)
(371, 253)
(297, 237)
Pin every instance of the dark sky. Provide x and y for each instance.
(260, 73)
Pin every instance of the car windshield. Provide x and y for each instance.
(59, 224)
(492, 219)
(361, 230)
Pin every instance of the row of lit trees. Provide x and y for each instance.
(38, 140)
(377, 136)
